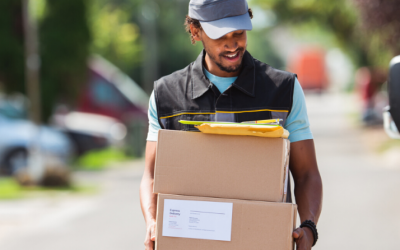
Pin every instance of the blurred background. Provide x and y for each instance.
(75, 79)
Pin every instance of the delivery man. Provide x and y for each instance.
(225, 83)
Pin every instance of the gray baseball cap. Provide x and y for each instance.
(220, 17)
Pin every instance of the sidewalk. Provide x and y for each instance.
(109, 219)
(360, 209)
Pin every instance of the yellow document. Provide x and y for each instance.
(236, 129)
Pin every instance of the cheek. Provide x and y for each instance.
(243, 41)
(215, 48)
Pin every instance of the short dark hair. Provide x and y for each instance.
(196, 24)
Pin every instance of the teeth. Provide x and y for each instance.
(232, 55)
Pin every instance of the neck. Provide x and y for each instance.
(213, 68)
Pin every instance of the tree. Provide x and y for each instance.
(116, 36)
(380, 22)
(64, 45)
(11, 46)
(343, 19)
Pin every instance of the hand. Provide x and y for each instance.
(150, 235)
(304, 238)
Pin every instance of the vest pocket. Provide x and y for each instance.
(199, 117)
(253, 116)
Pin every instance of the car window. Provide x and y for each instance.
(106, 95)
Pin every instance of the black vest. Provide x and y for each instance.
(260, 92)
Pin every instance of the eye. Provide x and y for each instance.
(240, 33)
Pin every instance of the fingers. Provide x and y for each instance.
(298, 233)
(150, 237)
(149, 245)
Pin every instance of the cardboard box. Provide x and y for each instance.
(221, 166)
(254, 225)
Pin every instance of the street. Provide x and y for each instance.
(360, 209)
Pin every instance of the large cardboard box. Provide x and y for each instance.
(221, 166)
(254, 224)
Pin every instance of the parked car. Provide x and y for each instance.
(18, 135)
(90, 131)
(112, 93)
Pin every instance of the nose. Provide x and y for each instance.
(231, 45)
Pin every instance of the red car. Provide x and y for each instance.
(111, 93)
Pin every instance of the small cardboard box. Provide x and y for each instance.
(221, 166)
(254, 225)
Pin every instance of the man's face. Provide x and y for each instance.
(226, 52)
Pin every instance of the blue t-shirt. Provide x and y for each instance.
(296, 123)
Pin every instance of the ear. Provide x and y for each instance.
(196, 33)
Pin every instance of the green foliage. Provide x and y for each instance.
(65, 39)
(100, 159)
(174, 46)
(115, 36)
(38, 9)
(337, 17)
(260, 48)
(157, 36)
(379, 21)
(11, 46)
(342, 18)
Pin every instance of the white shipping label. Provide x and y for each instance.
(197, 219)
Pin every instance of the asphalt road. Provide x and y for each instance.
(360, 206)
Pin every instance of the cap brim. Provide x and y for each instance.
(218, 28)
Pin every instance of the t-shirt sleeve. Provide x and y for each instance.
(297, 122)
(154, 126)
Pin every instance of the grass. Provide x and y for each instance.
(10, 190)
(101, 159)
(389, 144)
(94, 160)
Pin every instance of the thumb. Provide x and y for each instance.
(298, 233)
(153, 233)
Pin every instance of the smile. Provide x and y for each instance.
(232, 57)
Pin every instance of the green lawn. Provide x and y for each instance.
(10, 189)
(100, 159)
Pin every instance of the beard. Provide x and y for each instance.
(228, 69)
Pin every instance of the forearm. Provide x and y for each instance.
(308, 193)
(148, 199)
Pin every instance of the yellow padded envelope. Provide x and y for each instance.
(236, 129)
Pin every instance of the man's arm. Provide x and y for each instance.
(148, 200)
(307, 189)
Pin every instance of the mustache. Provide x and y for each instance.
(241, 49)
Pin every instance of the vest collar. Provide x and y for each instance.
(245, 81)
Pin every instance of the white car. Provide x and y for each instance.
(18, 135)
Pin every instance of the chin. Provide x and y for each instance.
(230, 69)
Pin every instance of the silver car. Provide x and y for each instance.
(18, 135)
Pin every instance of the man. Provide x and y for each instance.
(226, 83)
